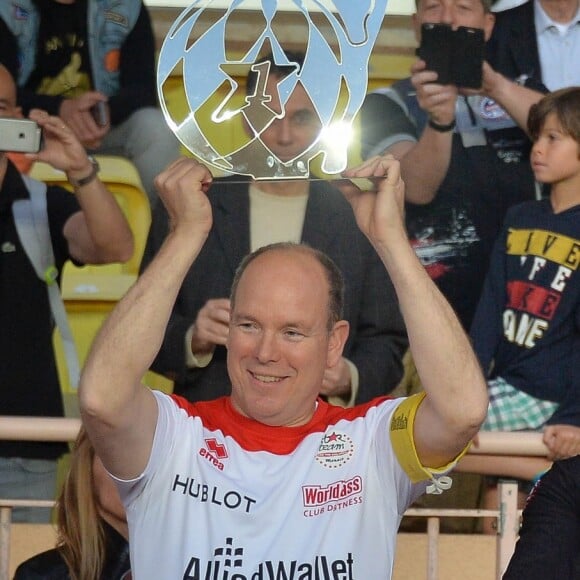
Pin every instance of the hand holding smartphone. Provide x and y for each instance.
(455, 55)
(20, 136)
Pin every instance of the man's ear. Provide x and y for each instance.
(338, 337)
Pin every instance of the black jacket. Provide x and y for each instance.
(512, 49)
(549, 544)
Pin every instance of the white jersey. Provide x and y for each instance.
(226, 498)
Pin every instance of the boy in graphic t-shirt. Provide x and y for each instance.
(526, 330)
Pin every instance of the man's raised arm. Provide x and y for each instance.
(120, 414)
(456, 401)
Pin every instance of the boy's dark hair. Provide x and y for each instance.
(275, 70)
(565, 104)
(331, 270)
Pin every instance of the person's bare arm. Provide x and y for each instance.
(456, 401)
(424, 164)
(514, 98)
(99, 233)
(119, 413)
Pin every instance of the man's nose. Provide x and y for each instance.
(267, 347)
(283, 126)
(447, 15)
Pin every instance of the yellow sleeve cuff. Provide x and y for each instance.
(401, 431)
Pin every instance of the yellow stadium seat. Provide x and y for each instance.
(90, 298)
(122, 179)
(91, 292)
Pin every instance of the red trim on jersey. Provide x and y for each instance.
(251, 435)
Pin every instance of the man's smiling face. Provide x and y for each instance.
(279, 343)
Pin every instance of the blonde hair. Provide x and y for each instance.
(80, 533)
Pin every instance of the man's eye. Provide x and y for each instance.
(303, 118)
(433, 6)
(294, 335)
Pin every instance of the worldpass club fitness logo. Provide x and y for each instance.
(335, 449)
(338, 37)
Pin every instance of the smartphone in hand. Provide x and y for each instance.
(20, 136)
(455, 55)
(436, 50)
(468, 56)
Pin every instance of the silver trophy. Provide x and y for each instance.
(334, 78)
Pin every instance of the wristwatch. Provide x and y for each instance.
(441, 128)
(85, 180)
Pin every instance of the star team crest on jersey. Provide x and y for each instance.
(338, 39)
(335, 450)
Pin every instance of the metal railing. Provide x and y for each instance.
(498, 443)
(508, 523)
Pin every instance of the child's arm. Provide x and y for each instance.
(562, 436)
(563, 441)
(487, 326)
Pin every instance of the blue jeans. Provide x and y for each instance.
(28, 479)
